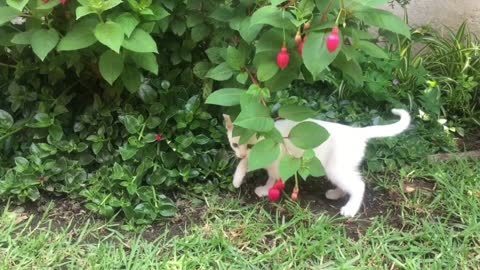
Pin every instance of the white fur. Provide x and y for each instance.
(341, 155)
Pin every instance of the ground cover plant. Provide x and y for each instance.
(88, 90)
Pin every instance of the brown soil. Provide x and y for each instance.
(376, 203)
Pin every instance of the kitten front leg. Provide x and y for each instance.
(240, 173)
(272, 171)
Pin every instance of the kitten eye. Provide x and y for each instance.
(249, 146)
(235, 145)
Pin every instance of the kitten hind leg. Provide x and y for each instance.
(351, 182)
(335, 194)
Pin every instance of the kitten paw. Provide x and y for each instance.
(237, 182)
(334, 194)
(262, 191)
(348, 211)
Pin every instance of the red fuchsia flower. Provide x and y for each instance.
(158, 137)
(300, 48)
(274, 194)
(294, 197)
(295, 193)
(283, 58)
(64, 2)
(333, 40)
(298, 38)
(279, 185)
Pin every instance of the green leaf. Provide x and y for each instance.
(235, 58)
(111, 66)
(254, 115)
(109, 4)
(266, 70)
(110, 34)
(244, 134)
(131, 123)
(127, 151)
(200, 32)
(221, 72)
(295, 112)
(21, 164)
(42, 120)
(315, 54)
(216, 55)
(201, 68)
(369, 3)
(308, 135)
(249, 32)
(6, 120)
(315, 167)
(273, 16)
(263, 154)
(83, 11)
(147, 61)
(17, 4)
(141, 42)
(383, 19)
(128, 22)
(256, 123)
(81, 36)
(23, 38)
(7, 14)
(225, 97)
(43, 42)
(350, 68)
(178, 27)
(289, 166)
(242, 77)
(371, 49)
(56, 132)
(131, 78)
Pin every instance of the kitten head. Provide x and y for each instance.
(241, 150)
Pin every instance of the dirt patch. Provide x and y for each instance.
(469, 142)
(376, 202)
(193, 210)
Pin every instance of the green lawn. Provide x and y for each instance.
(427, 217)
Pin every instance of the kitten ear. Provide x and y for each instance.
(228, 121)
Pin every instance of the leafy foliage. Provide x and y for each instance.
(79, 112)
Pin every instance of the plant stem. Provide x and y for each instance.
(254, 80)
(7, 65)
(11, 133)
(140, 136)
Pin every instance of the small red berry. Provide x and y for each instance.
(333, 40)
(283, 58)
(298, 38)
(294, 196)
(158, 137)
(274, 195)
(279, 185)
(41, 179)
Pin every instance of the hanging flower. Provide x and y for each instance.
(333, 40)
(283, 58)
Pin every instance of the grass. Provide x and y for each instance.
(433, 224)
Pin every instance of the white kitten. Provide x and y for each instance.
(341, 155)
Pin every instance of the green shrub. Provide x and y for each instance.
(78, 111)
(453, 61)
